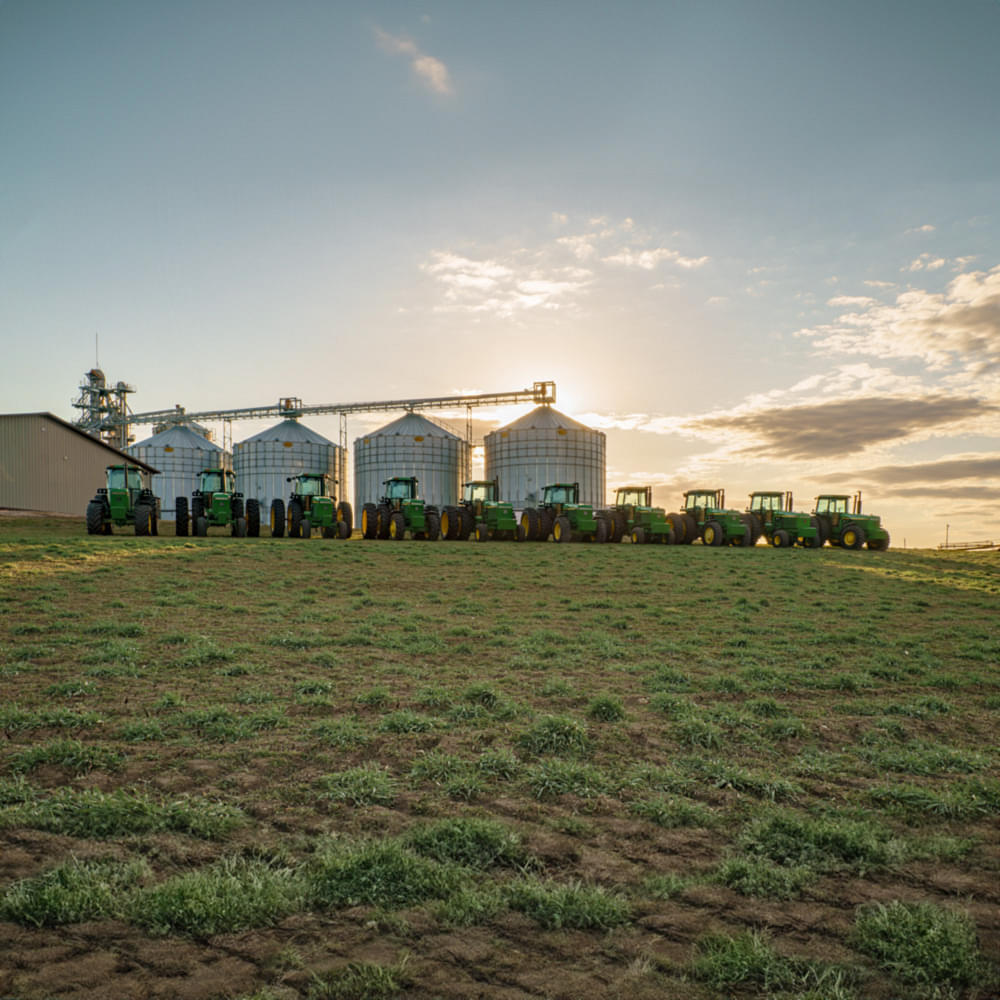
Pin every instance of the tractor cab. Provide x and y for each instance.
(835, 506)
(398, 490)
(124, 486)
(699, 502)
(769, 504)
(633, 496)
(311, 484)
(560, 495)
(216, 481)
(478, 494)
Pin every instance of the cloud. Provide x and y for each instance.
(839, 428)
(432, 73)
(850, 300)
(921, 229)
(977, 467)
(647, 260)
(960, 326)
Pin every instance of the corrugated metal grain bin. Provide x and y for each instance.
(180, 453)
(543, 447)
(413, 445)
(263, 462)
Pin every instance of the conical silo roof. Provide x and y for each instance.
(178, 436)
(544, 418)
(415, 424)
(288, 430)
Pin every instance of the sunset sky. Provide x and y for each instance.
(758, 243)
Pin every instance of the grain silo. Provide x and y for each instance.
(263, 462)
(410, 446)
(543, 447)
(180, 453)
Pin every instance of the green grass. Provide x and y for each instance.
(546, 768)
(920, 943)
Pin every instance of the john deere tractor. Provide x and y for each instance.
(634, 516)
(400, 510)
(481, 511)
(124, 499)
(562, 516)
(312, 505)
(775, 518)
(845, 526)
(705, 516)
(217, 504)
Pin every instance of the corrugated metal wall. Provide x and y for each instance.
(47, 465)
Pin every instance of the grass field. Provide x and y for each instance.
(283, 769)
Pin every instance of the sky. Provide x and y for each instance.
(756, 242)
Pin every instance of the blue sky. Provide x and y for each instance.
(756, 242)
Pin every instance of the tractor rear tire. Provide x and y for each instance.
(397, 526)
(143, 515)
(253, 519)
(433, 532)
(181, 519)
(384, 520)
(713, 534)
(679, 526)
(546, 523)
(562, 530)
(277, 518)
(236, 508)
(781, 539)
(450, 520)
(467, 525)
(197, 508)
(240, 527)
(294, 519)
(603, 531)
(530, 523)
(343, 529)
(816, 542)
(369, 521)
(95, 517)
(482, 532)
(201, 527)
(638, 535)
(852, 536)
(305, 528)
(345, 513)
(620, 522)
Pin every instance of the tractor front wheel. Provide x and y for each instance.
(329, 531)
(450, 521)
(201, 527)
(253, 518)
(713, 534)
(482, 532)
(305, 528)
(603, 531)
(852, 536)
(95, 517)
(343, 529)
(277, 518)
(397, 526)
(562, 530)
(240, 527)
(781, 539)
(638, 535)
(369, 521)
(346, 514)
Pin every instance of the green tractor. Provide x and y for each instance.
(481, 511)
(705, 516)
(562, 516)
(400, 510)
(634, 516)
(312, 505)
(775, 518)
(217, 504)
(845, 526)
(124, 499)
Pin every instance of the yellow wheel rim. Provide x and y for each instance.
(557, 531)
(850, 538)
(444, 524)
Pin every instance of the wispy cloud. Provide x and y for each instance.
(555, 272)
(431, 72)
(926, 228)
(957, 327)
